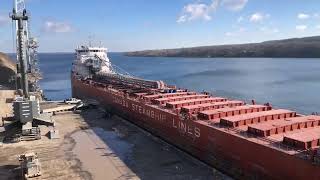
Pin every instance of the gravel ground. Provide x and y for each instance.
(95, 147)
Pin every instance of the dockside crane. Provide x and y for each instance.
(26, 108)
(27, 48)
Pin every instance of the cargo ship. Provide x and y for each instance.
(244, 140)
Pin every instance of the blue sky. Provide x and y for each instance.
(126, 25)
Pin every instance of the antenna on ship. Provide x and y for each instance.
(90, 40)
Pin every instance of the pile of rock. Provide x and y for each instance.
(7, 72)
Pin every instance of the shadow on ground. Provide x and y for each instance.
(146, 156)
(10, 172)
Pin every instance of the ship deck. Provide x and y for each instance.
(281, 129)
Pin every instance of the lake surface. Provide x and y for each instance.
(286, 82)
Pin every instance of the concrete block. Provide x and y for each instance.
(54, 134)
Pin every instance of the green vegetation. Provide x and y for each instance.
(308, 47)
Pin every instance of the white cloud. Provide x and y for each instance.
(240, 19)
(195, 11)
(4, 19)
(57, 27)
(259, 17)
(318, 27)
(301, 28)
(303, 16)
(203, 11)
(182, 19)
(234, 5)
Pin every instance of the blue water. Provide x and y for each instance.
(288, 83)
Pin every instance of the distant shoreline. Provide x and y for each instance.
(308, 47)
(189, 57)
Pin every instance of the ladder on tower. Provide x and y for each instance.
(31, 50)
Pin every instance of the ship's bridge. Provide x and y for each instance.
(85, 51)
(93, 57)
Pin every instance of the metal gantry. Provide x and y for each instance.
(26, 106)
(28, 47)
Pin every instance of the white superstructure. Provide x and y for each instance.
(91, 60)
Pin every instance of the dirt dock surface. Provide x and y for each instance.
(94, 146)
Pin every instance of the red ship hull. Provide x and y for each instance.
(237, 156)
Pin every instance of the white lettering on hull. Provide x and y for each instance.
(140, 109)
(186, 129)
(121, 102)
(183, 127)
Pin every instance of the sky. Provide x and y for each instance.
(129, 25)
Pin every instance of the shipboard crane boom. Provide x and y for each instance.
(122, 76)
(114, 68)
